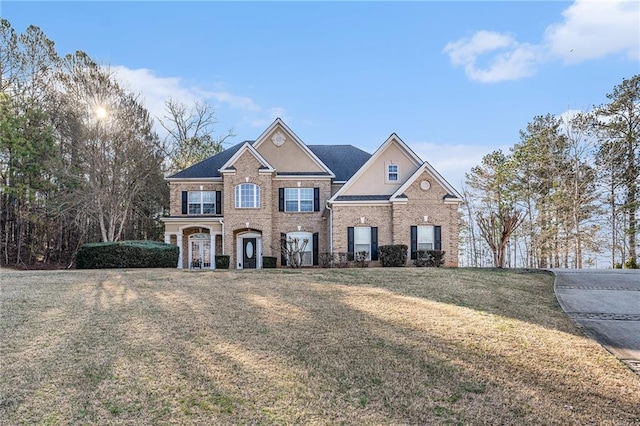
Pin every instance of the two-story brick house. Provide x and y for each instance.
(248, 199)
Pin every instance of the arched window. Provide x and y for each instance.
(247, 196)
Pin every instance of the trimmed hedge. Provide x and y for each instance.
(222, 261)
(127, 254)
(433, 258)
(394, 255)
(269, 262)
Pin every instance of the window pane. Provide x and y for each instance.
(306, 206)
(194, 208)
(362, 235)
(291, 194)
(291, 206)
(209, 197)
(208, 208)
(306, 194)
(425, 246)
(425, 235)
(194, 197)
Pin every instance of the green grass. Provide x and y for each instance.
(352, 346)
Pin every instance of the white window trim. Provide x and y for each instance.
(388, 173)
(256, 196)
(356, 244)
(426, 235)
(298, 200)
(201, 203)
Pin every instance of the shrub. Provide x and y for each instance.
(326, 260)
(429, 258)
(393, 255)
(360, 258)
(342, 259)
(127, 254)
(269, 262)
(630, 264)
(222, 261)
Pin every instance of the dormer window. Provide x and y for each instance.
(392, 173)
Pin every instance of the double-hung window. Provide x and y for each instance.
(425, 238)
(202, 202)
(248, 196)
(298, 199)
(362, 240)
(392, 172)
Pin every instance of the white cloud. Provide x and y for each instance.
(452, 161)
(155, 90)
(591, 29)
(594, 29)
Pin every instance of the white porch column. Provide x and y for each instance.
(167, 237)
(212, 251)
(179, 237)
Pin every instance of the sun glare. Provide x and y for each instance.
(101, 113)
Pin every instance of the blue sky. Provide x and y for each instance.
(455, 80)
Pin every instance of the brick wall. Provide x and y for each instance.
(175, 193)
(235, 219)
(308, 221)
(428, 203)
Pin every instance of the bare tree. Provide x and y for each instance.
(189, 138)
(116, 150)
(293, 250)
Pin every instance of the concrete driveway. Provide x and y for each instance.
(607, 304)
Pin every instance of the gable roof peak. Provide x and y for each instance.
(247, 146)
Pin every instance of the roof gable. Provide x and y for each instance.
(452, 196)
(287, 153)
(246, 147)
(370, 179)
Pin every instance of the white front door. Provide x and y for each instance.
(200, 251)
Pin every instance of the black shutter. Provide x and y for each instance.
(315, 248)
(281, 199)
(283, 249)
(437, 237)
(414, 241)
(218, 202)
(350, 243)
(185, 197)
(316, 199)
(374, 243)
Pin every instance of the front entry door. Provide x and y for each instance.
(201, 253)
(249, 253)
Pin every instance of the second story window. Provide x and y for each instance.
(298, 199)
(202, 202)
(247, 196)
(392, 172)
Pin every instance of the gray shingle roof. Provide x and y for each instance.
(343, 160)
(363, 197)
(208, 168)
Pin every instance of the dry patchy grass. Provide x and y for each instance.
(377, 346)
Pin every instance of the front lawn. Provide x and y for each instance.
(354, 346)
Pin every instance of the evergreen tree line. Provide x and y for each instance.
(79, 158)
(565, 196)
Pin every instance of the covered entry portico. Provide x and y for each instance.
(199, 240)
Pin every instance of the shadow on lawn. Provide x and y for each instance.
(307, 347)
